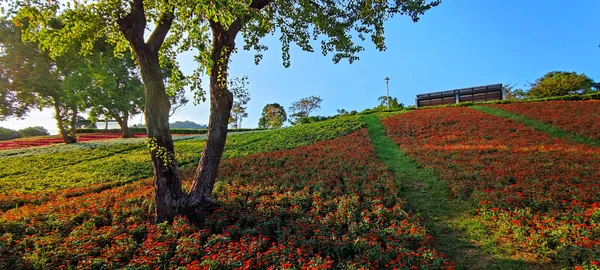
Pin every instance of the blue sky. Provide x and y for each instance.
(460, 43)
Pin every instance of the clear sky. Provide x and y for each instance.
(460, 43)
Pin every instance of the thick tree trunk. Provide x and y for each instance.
(167, 181)
(221, 101)
(58, 116)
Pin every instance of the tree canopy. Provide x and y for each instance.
(273, 116)
(31, 79)
(560, 83)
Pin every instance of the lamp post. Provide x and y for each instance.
(387, 91)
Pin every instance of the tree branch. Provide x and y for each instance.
(236, 26)
(160, 32)
(133, 24)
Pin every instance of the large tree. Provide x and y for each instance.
(302, 108)
(210, 27)
(30, 79)
(273, 116)
(560, 83)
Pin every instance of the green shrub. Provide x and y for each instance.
(33, 131)
(8, 134)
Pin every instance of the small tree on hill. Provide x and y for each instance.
(560, 83)
(241, 97)
(514, 93)
(303, 107)
(394, 104)
(273, 116)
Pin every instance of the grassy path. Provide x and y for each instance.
(453, 223)
(541, 126)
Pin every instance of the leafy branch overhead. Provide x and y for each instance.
(186, 25)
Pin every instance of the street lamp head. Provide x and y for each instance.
(387, 79)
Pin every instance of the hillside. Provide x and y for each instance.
(508, 186)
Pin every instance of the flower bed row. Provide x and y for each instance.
(582, 117)
(332, 204)
(545, 192)
(50, 140)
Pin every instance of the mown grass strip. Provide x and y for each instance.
(538, 125)
(457, 231)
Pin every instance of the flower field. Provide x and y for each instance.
(582, 117)
(50, 140)
(544, 193)
(35, 175)
(331, 204)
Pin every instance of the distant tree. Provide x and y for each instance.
(31, 79)
(116, 91)
(241, 97)
(186, 124)
(33, 131)
(302, 108)
(342, 112)
(514, 93)
(177, 100)
(8, 134)
(394, 105)
(174, 82)
(560, 83)
(273, 116)
(312, 119)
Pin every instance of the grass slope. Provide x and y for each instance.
(452, 222)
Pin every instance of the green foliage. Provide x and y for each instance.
(514, 93)
(560, 83)
(8, 134)
(33, 131)
(312, 119)
(394, 104)
(117, 92)
(273, 116)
